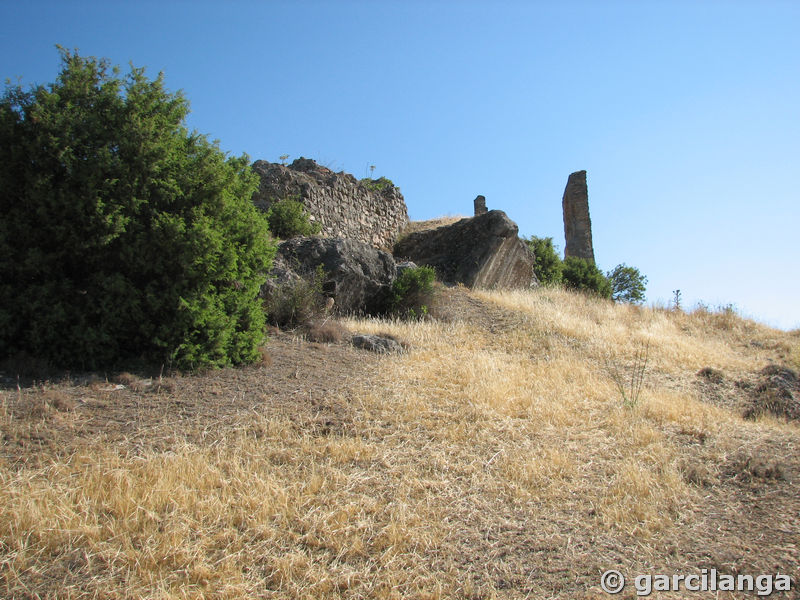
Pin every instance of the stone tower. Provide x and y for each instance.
(577, 224)
(480, 205)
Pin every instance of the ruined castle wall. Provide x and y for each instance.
(371, 211)
(577, 224)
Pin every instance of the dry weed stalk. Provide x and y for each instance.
(630, 388)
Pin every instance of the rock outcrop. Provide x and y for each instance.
(371, 210)
(357, 276)
(481, 252)
(577, 224)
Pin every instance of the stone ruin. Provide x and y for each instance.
(577, 224)
(361, 220)
(372, 211)
(480, 205)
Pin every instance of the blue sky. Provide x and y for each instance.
(686, 115)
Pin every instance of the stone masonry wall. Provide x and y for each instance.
(577, 223)
(371, 211)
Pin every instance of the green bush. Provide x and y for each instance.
(124, 236)
(412, 292)
(377, 185)
(548, 265)
(581, 275)
(288, 218)
(627, 284)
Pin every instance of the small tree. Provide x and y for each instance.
(412, 292)
(627, 284)
(123, 235)
(288, 218)
(676, 294)
(548, 265)
(581, 275)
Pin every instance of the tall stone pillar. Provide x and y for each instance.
(577, 224)
(480, 205)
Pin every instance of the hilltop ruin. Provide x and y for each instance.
(577, 224)
(483, 251)
(372, 211)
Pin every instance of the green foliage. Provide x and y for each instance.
(297, 303)
(581, 275)
(124, 236)
(627, 284)
(412, 292)
(548, 265)
(377, 185)
(288, 218)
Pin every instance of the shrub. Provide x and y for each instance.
(548, 265)
(377, 185)
(581, 275)
(124, 236)
(288, 218)
(627, 284)
(412, 292)
(298, 302)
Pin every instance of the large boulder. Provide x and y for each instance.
(357, 276)
(481, 252)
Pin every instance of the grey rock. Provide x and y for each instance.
(281, 274)
(481, 252)
(356, 275)
(577, 224)
(404, 266)
(377, 343)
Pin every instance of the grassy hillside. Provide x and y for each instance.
(497, 458)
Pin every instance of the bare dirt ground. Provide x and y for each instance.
(742, 516)
(302, 381)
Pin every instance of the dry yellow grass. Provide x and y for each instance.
(415, 226)
(493, 459)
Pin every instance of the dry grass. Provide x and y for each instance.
(326, 331)
(279, 511)
(415, 226)
(495, 459)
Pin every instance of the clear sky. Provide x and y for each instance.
(686, 115)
